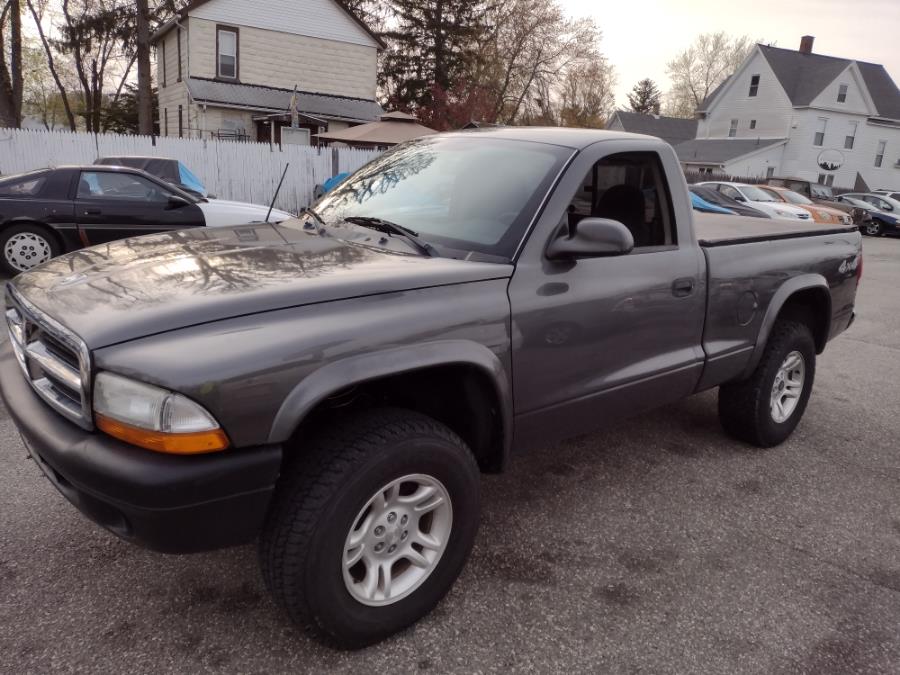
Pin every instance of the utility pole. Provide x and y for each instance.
(145, 91)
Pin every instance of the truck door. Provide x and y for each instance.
(598, 338)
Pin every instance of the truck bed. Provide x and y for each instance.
(721, 230)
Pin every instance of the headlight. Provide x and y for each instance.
(154, 418)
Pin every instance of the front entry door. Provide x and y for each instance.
(600, 338)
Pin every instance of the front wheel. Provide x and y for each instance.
(766, 408)
(25, 246)
(371, 525)
(873, 228)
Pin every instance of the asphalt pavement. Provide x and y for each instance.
(657, 546)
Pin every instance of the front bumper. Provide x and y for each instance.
(166, 503)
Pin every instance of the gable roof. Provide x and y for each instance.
(194, 4)
(721, 150)
(804, 76)
(269, 99)
(673, 130)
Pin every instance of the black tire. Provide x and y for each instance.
(319, 498)
(874, 228)
(45, 242)
(745, 407)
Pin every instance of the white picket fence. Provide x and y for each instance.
(246, 172)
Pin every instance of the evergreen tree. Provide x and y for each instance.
(433, 43)
(645, 97)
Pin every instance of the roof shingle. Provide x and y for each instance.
(721, 150)
(673, 130)
(269, 99)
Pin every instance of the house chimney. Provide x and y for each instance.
(806, 44)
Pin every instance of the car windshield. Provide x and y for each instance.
(754, 194)
(463, 194)
(794, 197)
(821, 192)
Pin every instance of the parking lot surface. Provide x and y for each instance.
(658, 545)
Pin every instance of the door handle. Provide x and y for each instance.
(681, 288)
(92, 212)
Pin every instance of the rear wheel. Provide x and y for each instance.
(873, 228)
(371, 526)
(23, 247)
(766, 408)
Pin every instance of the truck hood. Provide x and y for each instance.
(137, 287)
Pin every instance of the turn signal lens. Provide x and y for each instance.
(196, 443)
(154, 418)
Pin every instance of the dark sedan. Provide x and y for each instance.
(717, 198)
(48, 212)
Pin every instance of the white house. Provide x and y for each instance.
(798, 114)
(229, 68)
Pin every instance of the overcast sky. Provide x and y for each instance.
(640, 36)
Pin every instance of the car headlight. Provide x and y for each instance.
(154, 418)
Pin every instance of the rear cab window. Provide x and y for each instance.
(23, 185)
(629, 187)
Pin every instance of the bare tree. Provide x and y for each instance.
(587, 98)
(11, 79)
(702, 67)
(36, 7)
(531, 45)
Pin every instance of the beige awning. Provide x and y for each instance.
(393, 128)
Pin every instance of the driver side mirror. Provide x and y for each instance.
(739, 198)
(177, 202)
(592, 238)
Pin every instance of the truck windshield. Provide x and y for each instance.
(463, 194)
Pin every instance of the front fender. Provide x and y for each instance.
(794, 285)
(361, 368)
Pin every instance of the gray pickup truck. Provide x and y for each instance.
(333, 386)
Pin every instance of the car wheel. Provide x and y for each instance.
(873, 228)
(766, 408)
(23, 247)
(371, 526)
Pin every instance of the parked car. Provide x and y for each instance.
(818, 193)
(875, 222)
(704, 206)
(456, 300)
(884, 215)
(758, 199)
(717, 198)
(47, 212)
(819, 213)
(170, 170)
(893, 194)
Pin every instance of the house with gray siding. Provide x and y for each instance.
(231, 69)
(795, 113)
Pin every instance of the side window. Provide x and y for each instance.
(123, 186)
(631, 188)
(730, 192)
(22, 186)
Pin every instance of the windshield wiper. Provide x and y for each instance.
(386, 226)
(306, 210)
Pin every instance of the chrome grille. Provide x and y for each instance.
(54, 360)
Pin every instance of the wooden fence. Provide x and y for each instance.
(246, 172)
